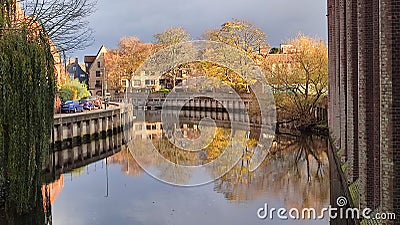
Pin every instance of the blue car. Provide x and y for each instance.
(71, 106)
(87, 104)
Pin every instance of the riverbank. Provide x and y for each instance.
(71, 130)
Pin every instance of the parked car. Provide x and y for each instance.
(96, 101)
(71, 106)
(87, 104)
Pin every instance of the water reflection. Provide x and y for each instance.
(296, 169)
(101, 182)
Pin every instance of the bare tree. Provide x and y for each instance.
(64, 21)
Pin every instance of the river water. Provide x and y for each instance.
(116, 190)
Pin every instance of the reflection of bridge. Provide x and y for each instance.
(66, 160)
(149, 122)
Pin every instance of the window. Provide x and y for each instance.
(98, 64)
(137, 83)
(151, 127)
(98, 84)
(138, 127)
(150, 82)
(97, 73)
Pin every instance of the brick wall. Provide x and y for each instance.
(352, 89)
(343, 77)
(364, 92)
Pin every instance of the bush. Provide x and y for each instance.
(66, 94)
(73, 90)
(164, 90)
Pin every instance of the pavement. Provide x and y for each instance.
(63, 115)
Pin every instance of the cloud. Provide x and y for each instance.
(279, 19)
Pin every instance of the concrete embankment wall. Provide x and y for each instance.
(75, 129)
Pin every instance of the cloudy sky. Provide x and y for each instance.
(279, 19)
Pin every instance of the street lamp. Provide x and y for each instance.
(104, 86)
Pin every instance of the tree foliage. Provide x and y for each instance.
(226, 75)
(124, 60)
(299, 79)
(172, 36)
(27, 96)
(240, 34)
(66, 94)
(73, 90)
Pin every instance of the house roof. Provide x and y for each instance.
(89, 58)
(92, 58)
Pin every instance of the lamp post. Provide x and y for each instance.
(104, 86)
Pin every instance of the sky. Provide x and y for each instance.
(279, 19)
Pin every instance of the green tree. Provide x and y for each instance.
(66, 94)
(73, 90)
(27, 96)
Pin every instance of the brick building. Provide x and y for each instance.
(364, 93)
(96, 69)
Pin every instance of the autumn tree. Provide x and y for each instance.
(123, 61)
(240, 34)
(172, 36)
(299, 80)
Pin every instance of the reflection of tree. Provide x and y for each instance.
(287, 172)
(39, 215)
(148, 157)
(219, 143)
(304, 148)
(128, 164)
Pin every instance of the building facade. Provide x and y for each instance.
(364, 97)
(75, 71)
(96, 69)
